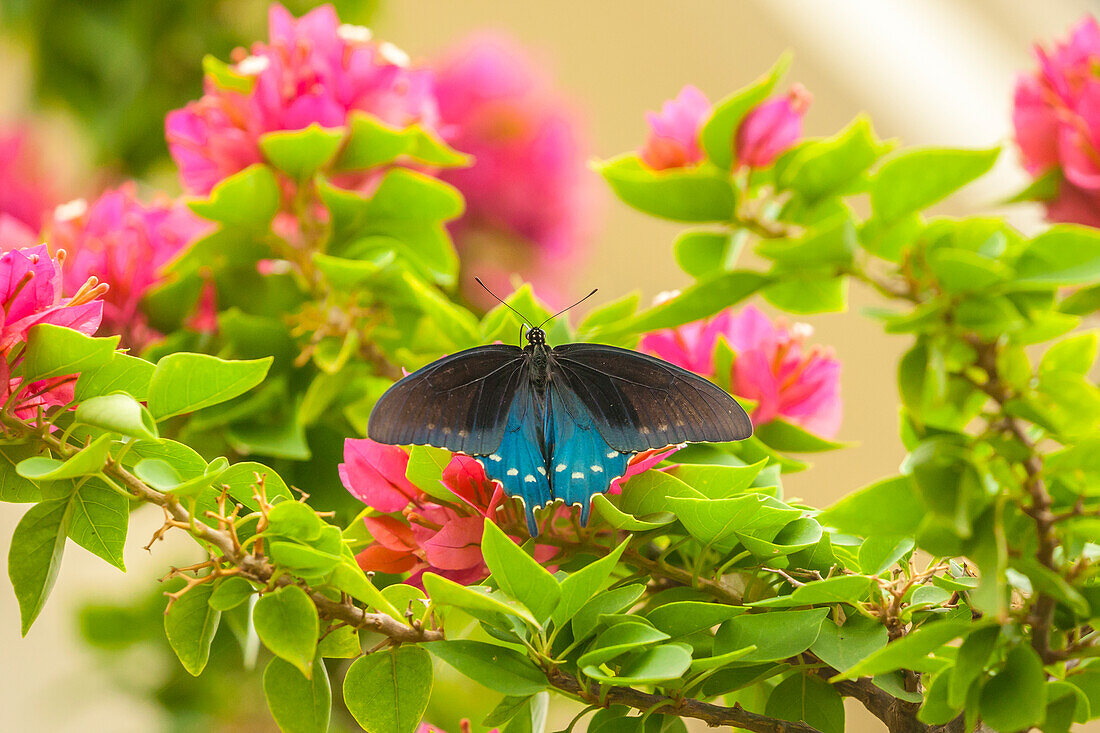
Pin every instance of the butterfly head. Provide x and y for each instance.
(536, 337)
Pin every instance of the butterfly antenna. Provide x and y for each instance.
(523, 319)
(563, 310)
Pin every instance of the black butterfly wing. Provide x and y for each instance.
(459, 402)
(640, 402)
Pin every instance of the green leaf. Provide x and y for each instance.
(828, 167)
(711, 521)
(14, 487)
(718, 482)
(459, 324)
(407, 195)
(583, 584)
(840, 589)
(702, 253)
(843, 646)
(509, 707)
(801, 534)
(618, 640)
(909, 650)
(372, 143)
(84, 462)
(1065, 254)
(657, 664)
(100, 517)
(55, 351)
(680, 194)
(681, 618)
(775, 634)
(230, 593)
(188, 382)
(446, 592)
(243, 478)
(248, 198)
(1074, 354)
(701, 300)
(387, 692)
(919, 178)
(119, 413)
(37, 545)
(611, 313)
(613, 601)
(962, 271)
(123, 373)
(717, 135)
(496, 667)
(349, 578)
(787, 437)
(1016, 699)
(301, 153)
(808, 698)
(295, 520)
(890, 507)
(340, 643)
(349, 274)
(970, 663)
(298, 704)
(286, 622)
(518, 574)
(832, 245)
(190, 624)
(611, 514)
(808, 291)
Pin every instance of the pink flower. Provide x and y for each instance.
(673, 140)
(771, 128)
(528, 188)
(375, 474)
(1056, 115)
(771, 367)
(30, 294)
(26, 193)
(313, 70)
(125, 243)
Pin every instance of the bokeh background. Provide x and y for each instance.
(97, 77)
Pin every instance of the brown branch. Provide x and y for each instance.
(712, 715)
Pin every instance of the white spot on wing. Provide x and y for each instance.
(560, 467)
(612, 454)
(494, 457)
(578, 474)
(513, 472)
(542, 470)
(529, 478)
(596, 469)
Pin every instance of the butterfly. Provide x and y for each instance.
(554, 423)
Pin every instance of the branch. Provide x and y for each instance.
(248, 565)
(712, 715)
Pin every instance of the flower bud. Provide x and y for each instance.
(771, 128)
(673, 140)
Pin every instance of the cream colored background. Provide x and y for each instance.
(932, 72)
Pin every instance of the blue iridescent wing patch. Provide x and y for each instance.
(581, 463)
(519, 463)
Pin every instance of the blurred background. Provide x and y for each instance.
(87, 84)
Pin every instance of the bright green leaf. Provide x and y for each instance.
(37, 545)
(680, 194)
(808, 698)
(248, 198)
(298, 704)
(119, 413)
(517, 573)
(100, 517)
(388, 691)
(286, 622)
(1015, 699)
(188, 382)
(190, 625)
(301, 153)
(718, 134)
(919, 178)
(496, 667)
(55, 351)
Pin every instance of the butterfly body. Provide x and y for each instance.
(554, 423)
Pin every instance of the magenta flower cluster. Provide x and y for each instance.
(1057, 119)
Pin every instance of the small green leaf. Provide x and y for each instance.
(711, 521)
(701, 300)
(681, 618)
(224, 77)
(1074, 354)
(613, 601)
(970, 663)
(618, 640)
(349, 578)
(775, 634)
(1065, 254)
(448, 593)
(86, 461)
(808, 291)
(388, 691)
(188, 382)
(56, 351)
(119, 413)
(100, 517)
(656, 664)
(301, 153)
(679, 194)
(298, 704)
(37, 545)
(340, 643)
(718, 482)
(909, 650)
(841, 589)
(585, 583)
(890, 507)
(14, 487)
(844, 646)
(425, 471)
(919, 178)
(1016, 699)
(230, 593)
(787, 437)
(717, 137)
(962, 271)
(190, 625)
(248, 198)
(496, 667)
(517, 573)
(618, 519)
(348, 274)
(703, 253)
(828, 167)
(807, 698)
(123, 373)
(286, 622)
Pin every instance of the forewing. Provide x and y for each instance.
(640, 402)
(459, 402)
